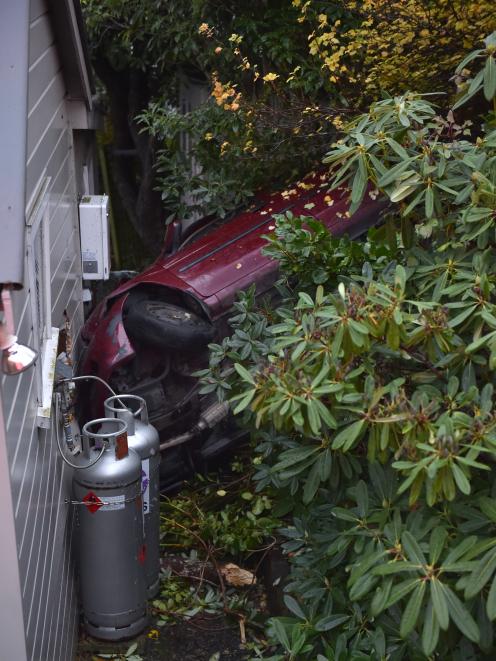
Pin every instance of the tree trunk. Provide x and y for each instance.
(131, 155)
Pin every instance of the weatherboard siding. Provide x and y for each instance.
(40, 482)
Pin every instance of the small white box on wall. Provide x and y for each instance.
(95, 237)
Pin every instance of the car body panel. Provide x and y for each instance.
(218, 264)
(234, 249)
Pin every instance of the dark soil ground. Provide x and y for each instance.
(199, 640)
(204, 637)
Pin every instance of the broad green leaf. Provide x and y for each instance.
(312, 483)
(348, 435)
(490, 78)
(359, 181)
(313, 417)
(460, 616)
(402, 191)
(394, 173)
(468, 376)
(488, 506)
(436, 543)
(482, 545)
(459, 551)
(305, 299)
(395, 567)
(430, 631)
(491, 601)
(362, 497)
(245, 400)
(460, 318)
(345, 515)
(460, 478)
(404, 119)
(393, 335)
(294, 606)
(325, 464)
(281, 634)
(415, 202)
(324, 371)
(481, 341)
(412, 548)
(439, 603)
(362, 587)
(414, 473)
(330, 622)
(358, 327)
(364, 565)
(472, 464)
(298, 350)
(380, 597)
(131, 650)
(396, 147)
(460, 567)
(400, 277)
(296, 469)
(412, 610)
(294, 456)
(471, 56)
(401, 590)
(481, 574)
(429, 202)
(488, 318)
(325, 414)
(244, 374)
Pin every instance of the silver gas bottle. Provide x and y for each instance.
(144, 439)
(109, 518)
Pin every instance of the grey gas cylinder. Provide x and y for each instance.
(109, 518)
(144, 439)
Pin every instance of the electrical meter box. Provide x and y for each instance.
(95, 239)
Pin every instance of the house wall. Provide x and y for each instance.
(40, 482)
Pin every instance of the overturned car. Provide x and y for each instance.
(150, 335)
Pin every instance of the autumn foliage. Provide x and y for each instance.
(395, 45)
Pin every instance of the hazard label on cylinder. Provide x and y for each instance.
(92, 502)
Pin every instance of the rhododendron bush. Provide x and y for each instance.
(371, 392)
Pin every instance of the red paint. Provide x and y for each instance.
(225, 267)
(121, 446)
(93, 503)
(142, 554)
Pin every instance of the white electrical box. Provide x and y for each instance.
(95, 239)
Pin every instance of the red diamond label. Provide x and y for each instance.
(92, 502)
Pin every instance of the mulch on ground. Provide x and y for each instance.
(203, 638)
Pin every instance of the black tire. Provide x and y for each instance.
(166, 326)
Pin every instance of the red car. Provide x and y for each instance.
(151, 334)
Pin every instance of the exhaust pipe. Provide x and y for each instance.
(208, 420)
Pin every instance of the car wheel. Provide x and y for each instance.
(166, 326)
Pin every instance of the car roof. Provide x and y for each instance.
(232, 250)
(228, 257)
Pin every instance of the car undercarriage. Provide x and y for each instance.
(151, 335)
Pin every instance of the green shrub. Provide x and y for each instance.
(372, 395)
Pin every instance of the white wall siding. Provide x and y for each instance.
(13, 644)
(40, 483)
